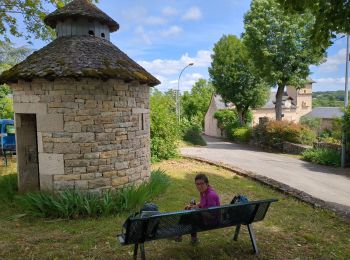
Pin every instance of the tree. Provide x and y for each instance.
(9, 56)
(32, 12)
(233, 77)
(164, 130)
(331, 17)
(195, 103)
(280, 47)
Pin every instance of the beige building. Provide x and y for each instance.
(81, 108)
(296, 103)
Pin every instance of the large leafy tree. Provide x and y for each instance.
(279, 45)
(196, 102)
(32, 13)
(332, 17)
(233, 76)
(9, 56)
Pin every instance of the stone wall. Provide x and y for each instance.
(292, 148)
(92, 134)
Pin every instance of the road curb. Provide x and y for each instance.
(341, 210)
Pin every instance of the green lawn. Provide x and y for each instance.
(291, 230)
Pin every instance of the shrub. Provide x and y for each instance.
(322, 156)
(164, 128)
(227, 120)
(71, 204)
(191, 132)
(242, 134)
(274, 133)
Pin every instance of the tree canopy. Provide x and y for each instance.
(332, 17)
(32, 13)
(279, 44)
(233, 76)
(196, 102)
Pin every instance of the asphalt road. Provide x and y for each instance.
(323, 182)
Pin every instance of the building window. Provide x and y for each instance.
(142, 122)
(91, 32)
(103, 35)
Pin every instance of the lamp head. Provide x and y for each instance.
(191, 64)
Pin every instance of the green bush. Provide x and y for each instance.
(71, 204)
(273, 133)
(191, 132)
(242, 134)
(322, 156)
(227, 120)
(164, 127)
(312, 123)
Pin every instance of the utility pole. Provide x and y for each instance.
(346, 102)
(178, 112)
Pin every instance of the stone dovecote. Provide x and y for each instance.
(81, 108)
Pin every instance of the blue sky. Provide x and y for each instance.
(165, 35)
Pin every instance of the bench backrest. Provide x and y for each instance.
(141, 229)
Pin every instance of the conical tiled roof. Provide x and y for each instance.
(81, 8)
(76, 57)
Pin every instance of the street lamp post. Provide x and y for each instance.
(178, 93)
(346, 101)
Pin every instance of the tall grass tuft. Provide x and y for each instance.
(72, 204)
(8, 188)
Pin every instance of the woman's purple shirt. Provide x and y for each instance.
(209, 198)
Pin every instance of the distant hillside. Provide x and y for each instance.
(328, 99)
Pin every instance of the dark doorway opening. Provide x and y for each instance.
(27, 153)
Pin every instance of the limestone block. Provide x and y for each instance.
(110, 174)
(30, 108)
(98, 183)
(67, 177)
(49, 123)
(121, 165)
(92, 169)
(63, 148)
(105, 137)
(76, 163)
(51, 164)
(108, 154)
(72, 127)
(63, 185)
(87, 176)
(92, 156)
(46, 183)
(105, 168)
(120, 181)
(73, 156)
(83, 137)
(81, 185)
(79, 170)
(48, 147)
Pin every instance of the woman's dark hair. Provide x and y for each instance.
(202, 177)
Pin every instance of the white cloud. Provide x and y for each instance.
(194, 13)
(140, 31)
(155, 20)
(169, 11)
(173, 30)
(333, 62)
(323, 84)
(167, 71)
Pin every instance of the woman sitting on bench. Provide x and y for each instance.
(208, 198)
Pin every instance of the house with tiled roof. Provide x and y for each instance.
(295, 104)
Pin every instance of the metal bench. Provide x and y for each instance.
(141, 229)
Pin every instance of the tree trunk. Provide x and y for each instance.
(241, 117)
(278, 105)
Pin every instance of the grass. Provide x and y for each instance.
(291, 230)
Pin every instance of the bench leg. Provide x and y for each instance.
(143, 254)
(135, 251)
(252, 239)
(238, 228)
